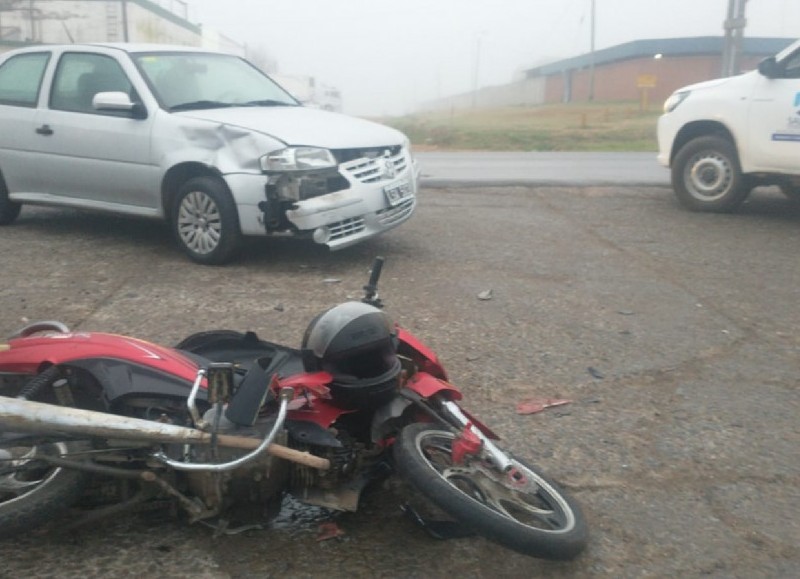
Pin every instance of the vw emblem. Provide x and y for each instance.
(389, 170)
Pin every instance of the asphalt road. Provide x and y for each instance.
(481, 168)
(674, 335)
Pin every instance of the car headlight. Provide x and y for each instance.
(674, 100)
(298, 159)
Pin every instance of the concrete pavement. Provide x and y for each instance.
(482, 168)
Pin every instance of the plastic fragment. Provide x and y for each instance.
(595, 373)
(534, 405)
(485, 295)
(329, 531)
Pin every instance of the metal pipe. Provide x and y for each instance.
(93, 467)
(43, 326)
(190, 402)
(38, 418)
(286, 395)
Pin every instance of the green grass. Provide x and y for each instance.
(568, 127)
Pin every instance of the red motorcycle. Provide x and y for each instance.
(225, 424)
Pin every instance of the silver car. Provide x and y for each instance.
(201, 139)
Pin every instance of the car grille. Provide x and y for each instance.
(394, 214)
(375, 169)
(347, 155)
(346, 227)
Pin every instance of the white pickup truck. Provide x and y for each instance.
(724, 137)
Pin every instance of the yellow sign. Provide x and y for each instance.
(646, 81)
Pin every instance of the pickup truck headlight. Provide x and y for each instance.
(674, 100)
(298, 159)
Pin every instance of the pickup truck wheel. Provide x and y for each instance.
(205, 222)
(706, 175)
(9, 210)
(792, 191)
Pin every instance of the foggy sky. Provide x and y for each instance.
(386, 56)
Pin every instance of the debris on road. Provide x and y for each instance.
(329, 531)
(595, 373)
(534, 405)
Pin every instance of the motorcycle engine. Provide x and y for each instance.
(333, 488)
(251, 492)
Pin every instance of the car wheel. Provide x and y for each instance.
(205, 222)
(706, 175)
(9, 210)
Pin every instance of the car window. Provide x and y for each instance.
(208, 80)
(80, 76)
(21, 79)
(791, 66)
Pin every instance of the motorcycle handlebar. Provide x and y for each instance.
(371, 289)
(377, 266)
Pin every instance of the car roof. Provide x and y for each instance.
(128, 47)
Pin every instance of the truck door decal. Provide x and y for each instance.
(792, 130)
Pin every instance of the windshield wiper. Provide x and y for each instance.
(267, 103)
(195, 105)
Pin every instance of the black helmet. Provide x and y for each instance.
(357, 344)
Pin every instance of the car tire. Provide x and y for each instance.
(9, 210)
(706, 176)
(205, 222)
(792, 191)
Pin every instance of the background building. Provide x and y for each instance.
(25, 22)
(621, 72)
(642, 69)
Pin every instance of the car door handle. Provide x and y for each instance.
(45, 130)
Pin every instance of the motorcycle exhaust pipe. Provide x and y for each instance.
(38, 418)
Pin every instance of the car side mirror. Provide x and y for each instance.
(769, 67)
(118, 101)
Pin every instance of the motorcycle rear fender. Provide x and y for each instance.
(121, 379)
(31, 354)
(123, 366)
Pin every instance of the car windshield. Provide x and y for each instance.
(196, 80)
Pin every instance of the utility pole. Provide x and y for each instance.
(476, 69)
(125, 21)
(734, 34)
(30, 20)
(591, 53)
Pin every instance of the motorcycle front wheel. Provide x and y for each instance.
(32, 491)
(520, 509)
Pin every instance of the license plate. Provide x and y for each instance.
(397, 192)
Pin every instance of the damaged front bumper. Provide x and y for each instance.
(376, 194)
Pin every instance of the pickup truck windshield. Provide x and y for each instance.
(183, 80)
